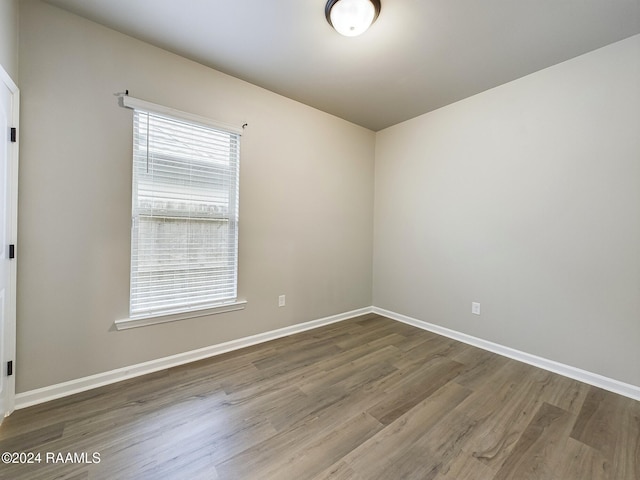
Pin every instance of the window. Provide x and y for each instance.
(184, 240)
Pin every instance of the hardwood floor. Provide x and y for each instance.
(368, 398)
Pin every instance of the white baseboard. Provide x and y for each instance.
(45, 394)
(615, 386)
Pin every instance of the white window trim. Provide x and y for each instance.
(127, 323)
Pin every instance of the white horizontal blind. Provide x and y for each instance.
(184, 253)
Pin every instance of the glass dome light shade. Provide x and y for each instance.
(351, 17)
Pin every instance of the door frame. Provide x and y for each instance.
(12, 185)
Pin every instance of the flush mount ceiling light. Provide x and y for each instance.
(351, 17)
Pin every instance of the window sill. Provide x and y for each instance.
(128, 323)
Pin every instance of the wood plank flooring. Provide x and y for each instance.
(364, 399)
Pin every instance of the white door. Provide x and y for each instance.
(8, 209)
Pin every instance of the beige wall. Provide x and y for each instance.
(525, 198)
(306, 209)
(9, 37)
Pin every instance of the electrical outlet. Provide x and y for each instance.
(281, 301)
(475, 308)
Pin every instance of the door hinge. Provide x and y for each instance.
(14, 134)
(12, 251)
(9, 368)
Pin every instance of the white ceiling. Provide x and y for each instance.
(419, 55)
